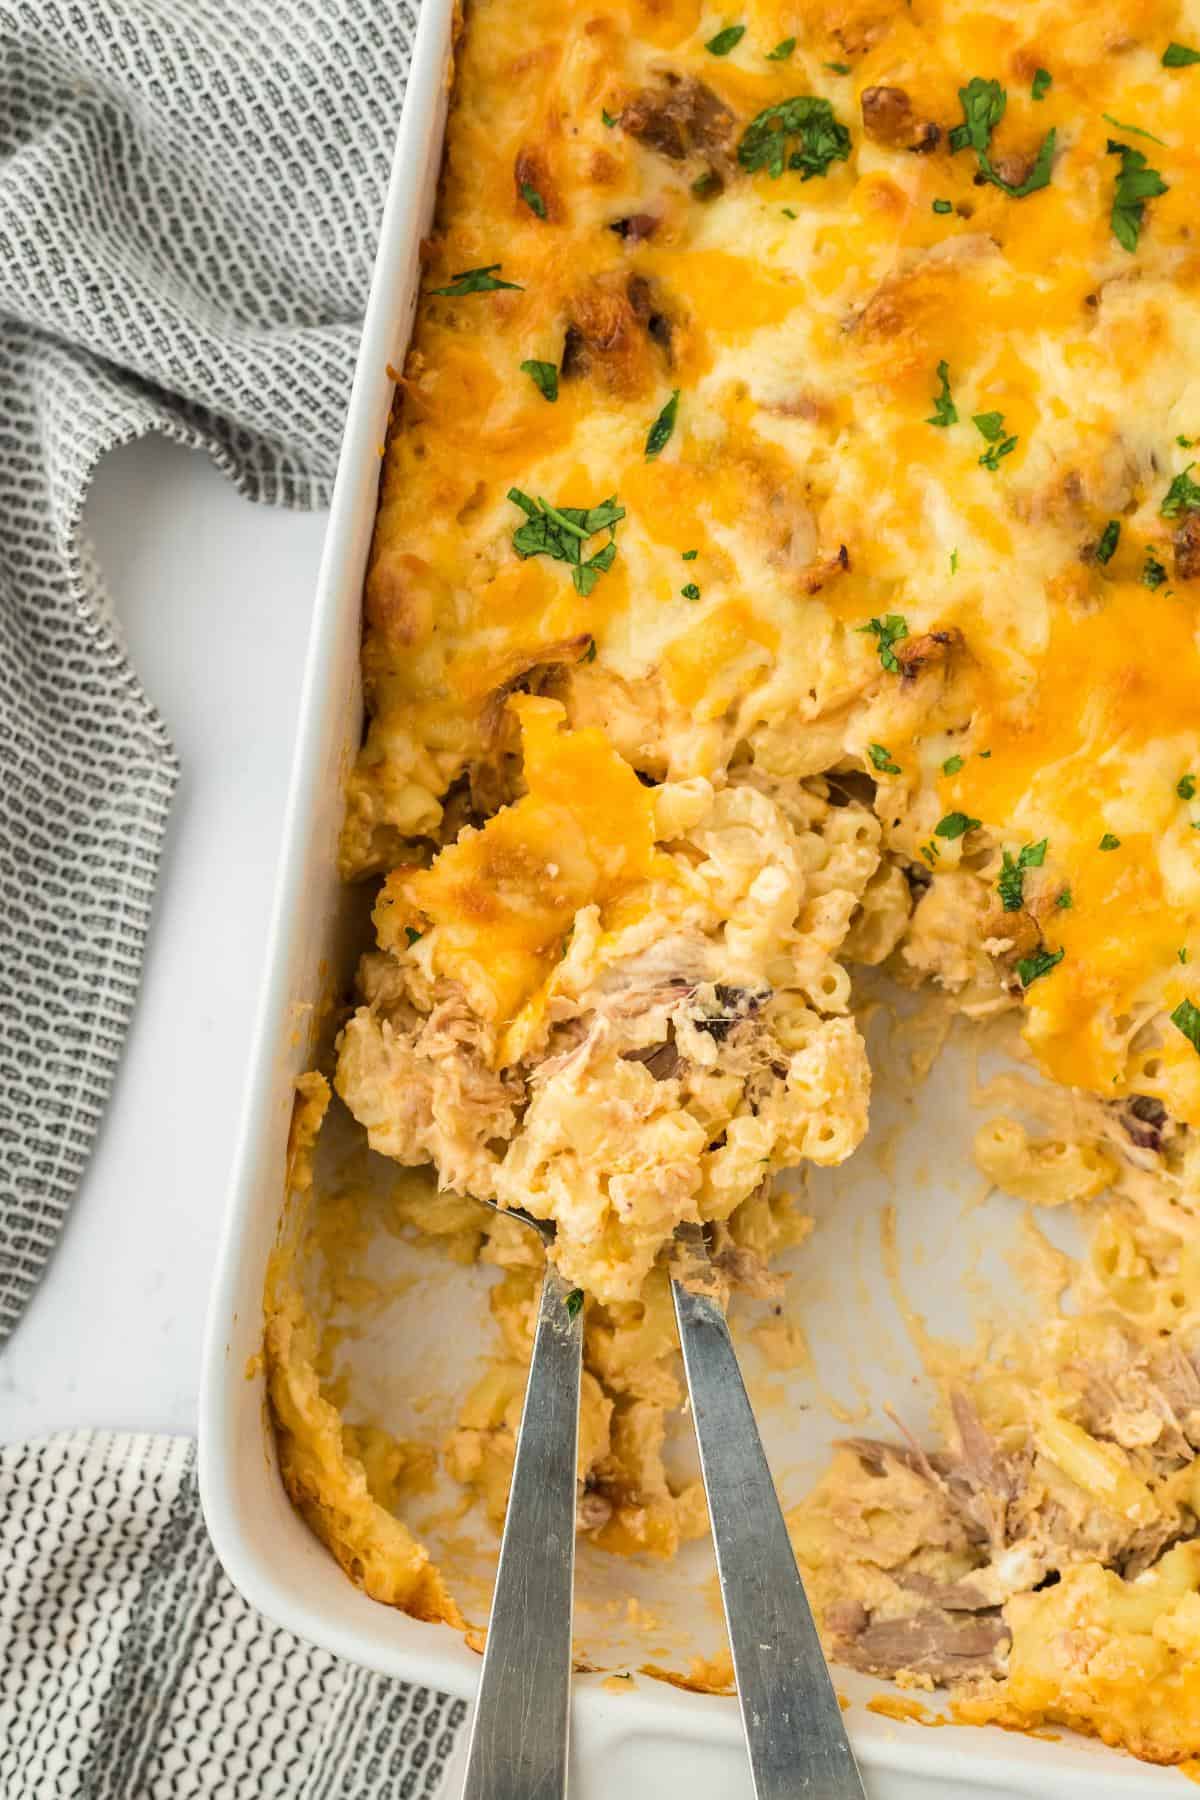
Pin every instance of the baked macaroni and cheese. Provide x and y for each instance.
(788, 560)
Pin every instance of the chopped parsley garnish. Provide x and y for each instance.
(1109, 842)
(1124, 125)
(1183, 495)
(690, 555)
(589, 654)
(1181, 953)
(1042, 79)
(983, 104)
(1183, 442)
(1178, 56)
(659, 433)
(955, 825)
(1108, 540)
(954, 562)
(574, 1303)
(943, 206)
(1185, 787)
(691, 591)
(544, 376)
(788, 213)
(413, 935)
(1187, 1018)
(1064, 900)
(533, 200)
(881, 757)
(1011, 885)
(610, 119)
(944, 410)
(1136, 183)
(930, 852)
(991, 426)
(823, 139)
(726, 40)
(888, 632)
(1031, 968)
(782, 50)
(476, 281)
(1153, 573)
(983, 755)
(562, 532)
(952, 765)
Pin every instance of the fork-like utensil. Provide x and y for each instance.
(790, 1712)
(520, 1732)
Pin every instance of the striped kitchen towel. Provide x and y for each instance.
(131, 1669)
(189, 202)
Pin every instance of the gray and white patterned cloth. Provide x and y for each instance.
(130, 1668)
(190, 193)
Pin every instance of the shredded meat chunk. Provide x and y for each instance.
(1186, 544)
(890, 119)
(681, 118)
(943, 1646)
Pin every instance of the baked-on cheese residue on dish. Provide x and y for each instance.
(788, 559)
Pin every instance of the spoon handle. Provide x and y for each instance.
(518, 1743)
(793, 1723)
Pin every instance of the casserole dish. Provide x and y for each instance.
(645, 1739)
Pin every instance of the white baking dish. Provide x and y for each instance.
(655, 1739)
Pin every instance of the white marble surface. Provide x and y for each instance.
(215, 597)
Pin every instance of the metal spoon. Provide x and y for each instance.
(519, 1734)
(790, 1713)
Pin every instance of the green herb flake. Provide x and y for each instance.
(952, 765)
(944, 410)
(690, 591)
(954, 562)
(610, 119)
(930, 852)
(881, 757)
(1042, 79)
(413, 935)
(574, 1303)
(1064, 900)
(1183, 495)
(1011, 885)
(726, 40)
(476, 281)
(1179, 56)
(1182, 954)
(1187, 1018)
(1135, 184)
(955, 825)
(983, 755)
(1109, 842)
(1108, 540)
(544, 376)
(782, 50)
(821, 138)
(533, 200)
(1184, 443)
(589, 654)
(690, 555)
(838, 68)
(659, 433)
(1153, 573)
(1124, 125)
(1185, 787)
(561, 533)
(943, 206)
(1032, 968)
(991, 426)
(983, 104)
(888, 632)
(788, 213)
